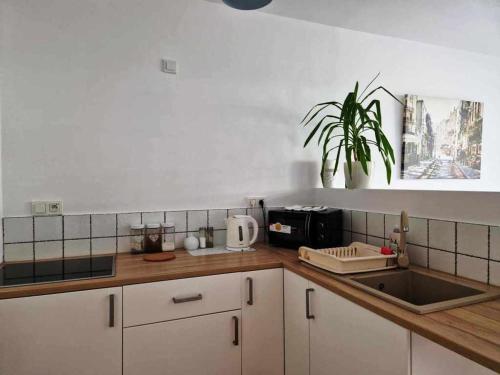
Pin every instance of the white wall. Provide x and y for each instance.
(464, 206)
(89, 118)
(1, 85)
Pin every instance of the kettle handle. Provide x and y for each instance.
(255, 229)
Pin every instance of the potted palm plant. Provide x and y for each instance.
(355, 125)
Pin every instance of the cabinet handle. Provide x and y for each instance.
(250, 291)
(236, 340)
(111, 310)
(308, 306)
(196, 297)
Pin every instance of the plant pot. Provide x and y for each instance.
(327, 177)
(358, 178)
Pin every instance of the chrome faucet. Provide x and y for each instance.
(404, 228)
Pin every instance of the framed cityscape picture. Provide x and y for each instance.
(442, 138)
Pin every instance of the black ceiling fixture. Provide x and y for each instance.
(246, 4)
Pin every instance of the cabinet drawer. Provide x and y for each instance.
(174, 299)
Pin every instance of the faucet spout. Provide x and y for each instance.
(404, 228)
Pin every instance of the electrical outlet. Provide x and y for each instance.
(253, 201)
(46, 208)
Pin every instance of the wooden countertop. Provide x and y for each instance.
(472, 331)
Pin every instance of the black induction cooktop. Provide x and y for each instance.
(46, 271)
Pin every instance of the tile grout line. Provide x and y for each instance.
(90, 233)
(3, 240)
(489, 256)
(116, 233)
(385, 230)
(456, 249)
(366, 227)
(62, 235)
(33, 228)
(428, 245)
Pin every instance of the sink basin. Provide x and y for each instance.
(421, 292)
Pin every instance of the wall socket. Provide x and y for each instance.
(253, 201)
(46, 208)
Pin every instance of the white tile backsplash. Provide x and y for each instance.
(156, 217)
(417, 234)
(495, 273)
(220, 237)
(472, 239)
(197, 219)
(18, 229)
(76, 226)
(495, 243)
(73, 248)
(108, 233)
(124, 244)
(103, 245)
(18, 252)
(357, 237)
(237, 211)
(359, 221)
(48, 250)
(376, 241)
(126, 220)
(442, 261)
(472, 268)
(103, 225)
(179, 240)
(442, 235)
(217, 218)
(375, 224)
(417, 255)
(48, 228)
(179, 219)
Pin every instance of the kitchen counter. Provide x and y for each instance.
(472, 331)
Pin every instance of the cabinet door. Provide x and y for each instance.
(201, 345)
(348, 339)
(429, 358)
(62, 334)
(262, 322)
(296, 325)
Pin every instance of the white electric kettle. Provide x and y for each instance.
(237, 235)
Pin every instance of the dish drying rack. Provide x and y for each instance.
(357, 257)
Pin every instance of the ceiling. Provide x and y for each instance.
(472, 25)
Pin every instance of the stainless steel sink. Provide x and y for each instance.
(422, 292)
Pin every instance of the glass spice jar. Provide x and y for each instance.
(137, 238)
(152, 241)
(168, 236)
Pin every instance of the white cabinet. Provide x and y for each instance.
(262, 322)
(296, 325)
(348, 339)
(165, 300)
(429, 358)
(327, 334)
(62, 334)
(208, 344)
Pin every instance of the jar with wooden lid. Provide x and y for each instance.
(152, 241)
(167, 236)
(137, 238)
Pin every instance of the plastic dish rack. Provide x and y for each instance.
(357, 257)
